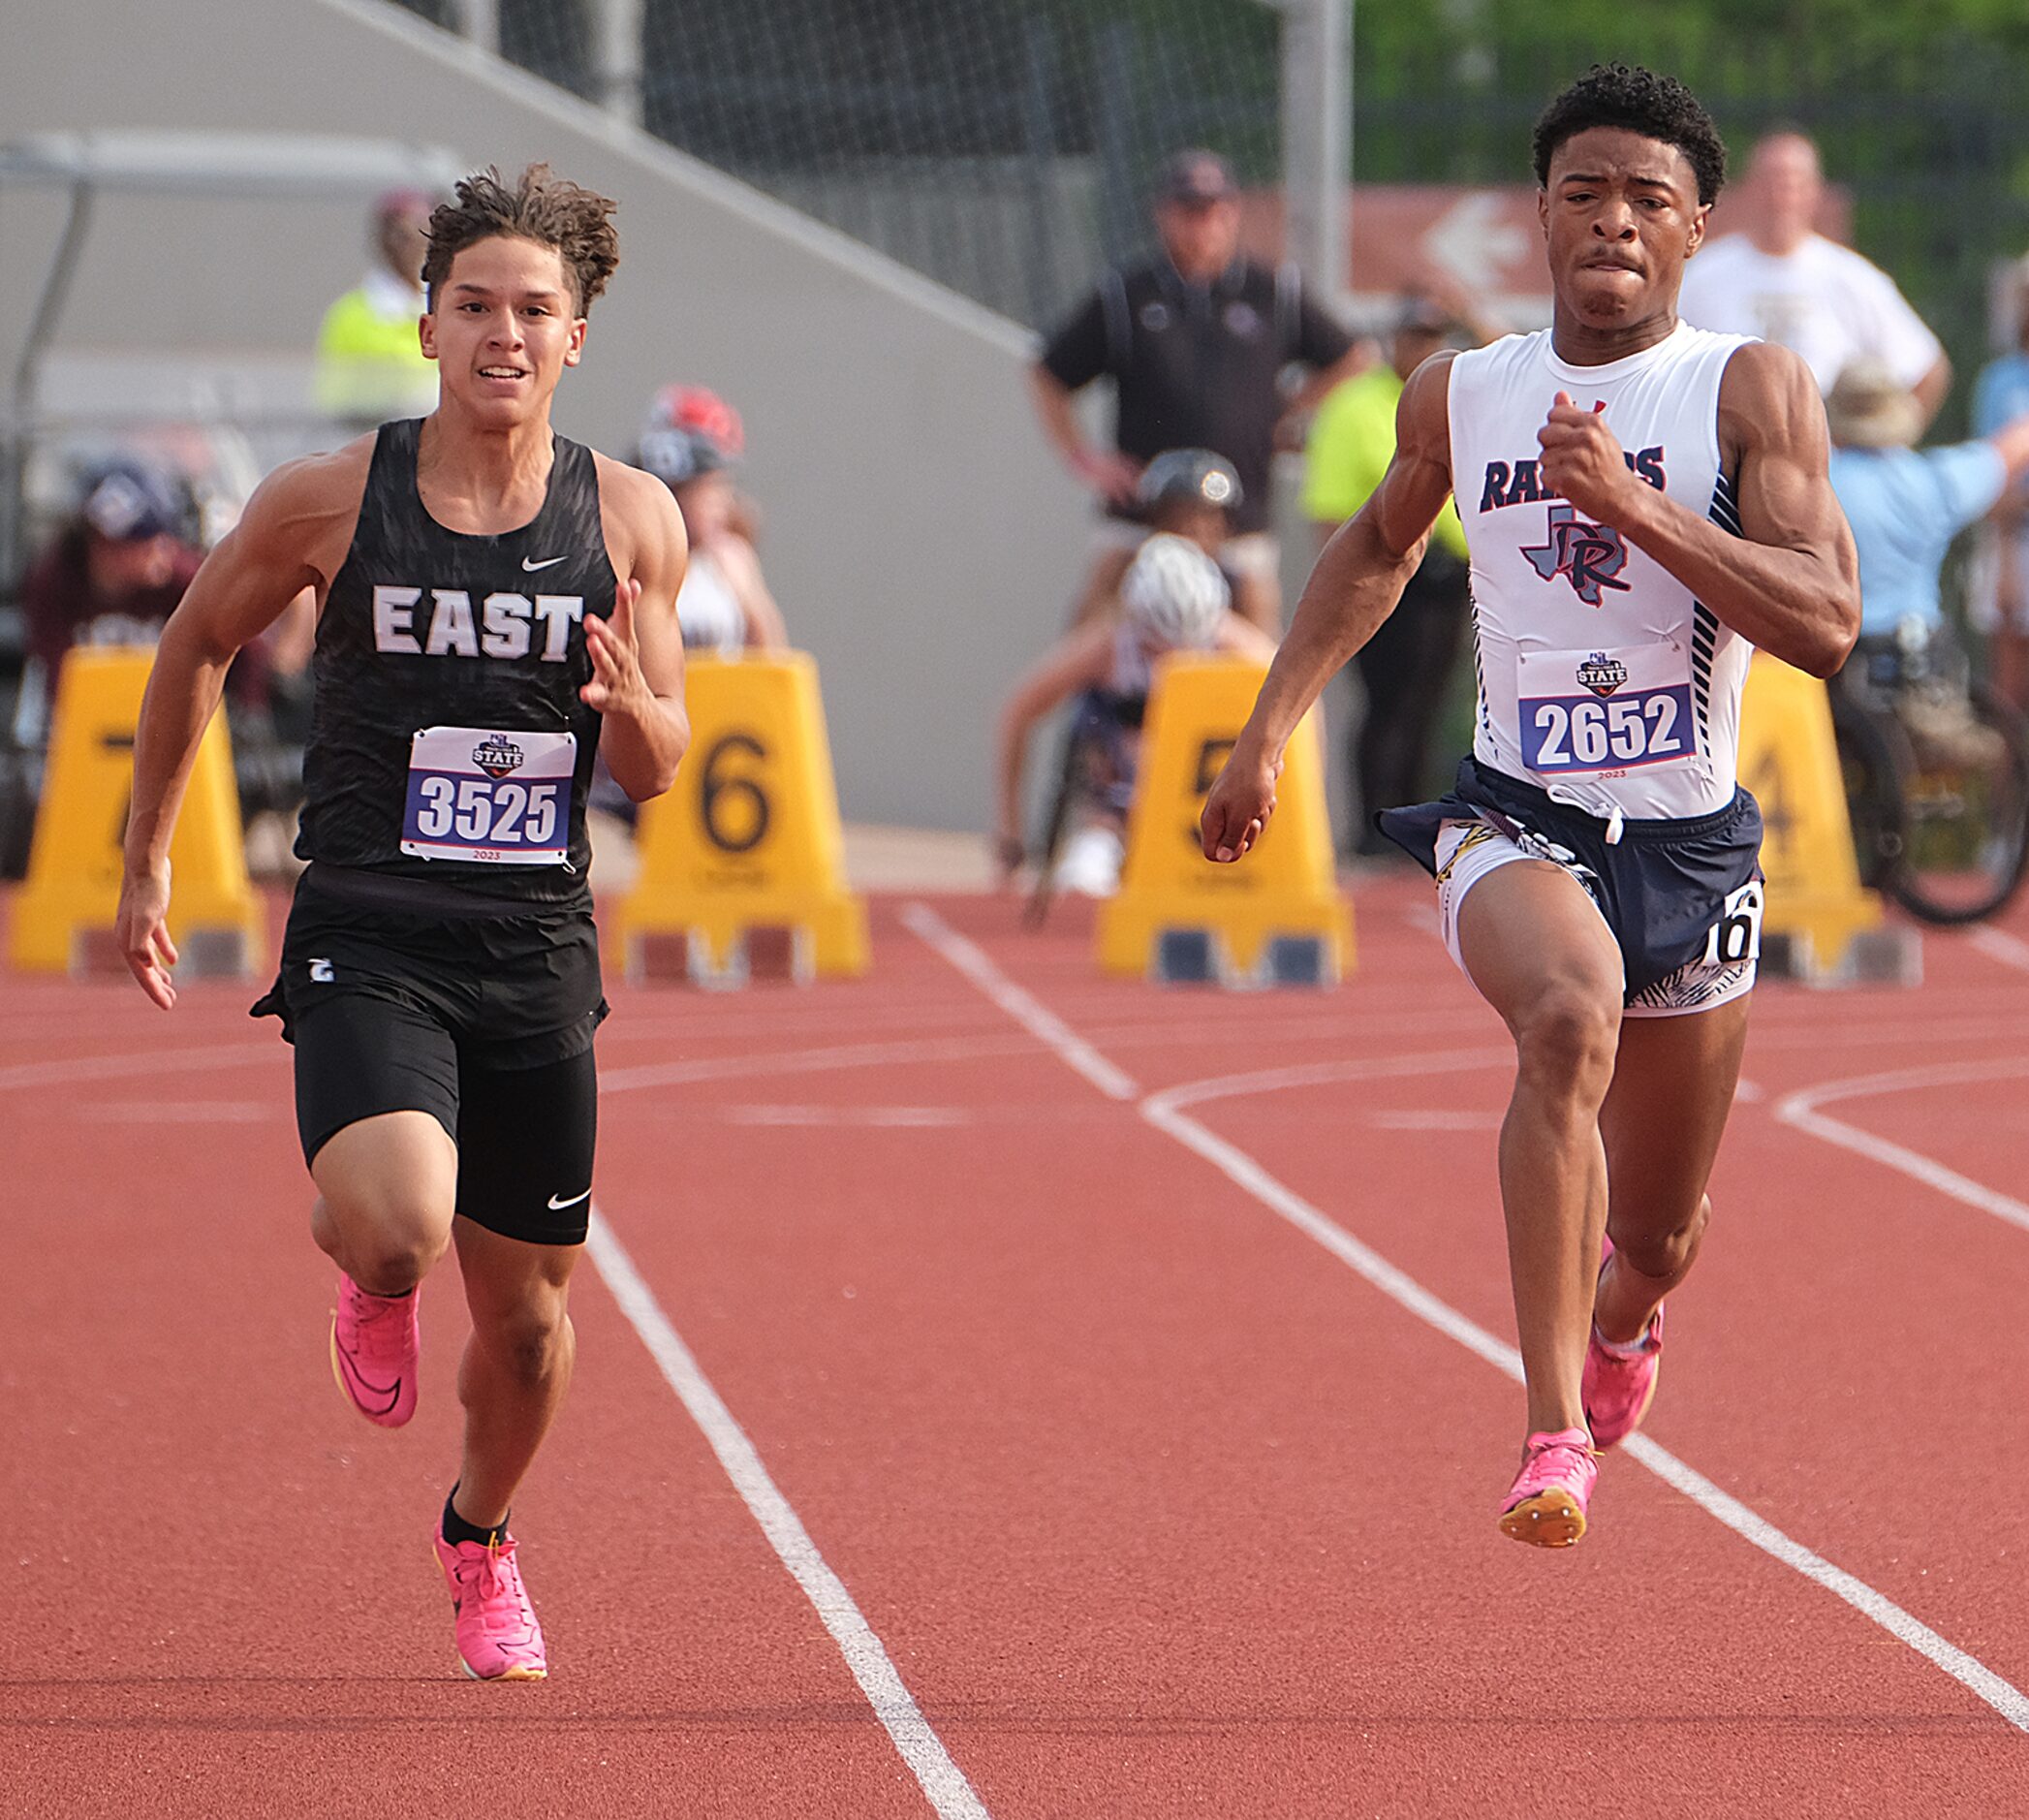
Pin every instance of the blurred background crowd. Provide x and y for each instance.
(1115, 189)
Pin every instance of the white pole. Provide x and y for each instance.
(482, 25)
(1317, 132)
(616, 44)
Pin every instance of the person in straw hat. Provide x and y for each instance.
(1906, 504)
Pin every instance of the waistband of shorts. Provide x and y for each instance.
(1534, 799)
(417, 896)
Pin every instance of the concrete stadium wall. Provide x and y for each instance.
(920, 539)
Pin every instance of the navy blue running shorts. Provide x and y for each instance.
(1682, 898)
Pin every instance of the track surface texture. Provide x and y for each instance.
(978, 1413)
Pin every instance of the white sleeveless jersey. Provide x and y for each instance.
(1601, 679)
(707, 610)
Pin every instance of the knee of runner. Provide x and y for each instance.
(1665, 1254)
(530, 1340)
(396, 1256)
(1568, 1036)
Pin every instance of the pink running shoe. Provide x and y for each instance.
(374, 1343)
(1618, 1390)
(498, 1637)
(1545, 1506)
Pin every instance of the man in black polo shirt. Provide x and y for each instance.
(1195, 341)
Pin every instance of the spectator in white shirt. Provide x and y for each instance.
(1785, 282)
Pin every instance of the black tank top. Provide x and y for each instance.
(426, 627)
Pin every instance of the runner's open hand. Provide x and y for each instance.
(618, 685)
(141, 929)
(1581, 459)
(1243, 798)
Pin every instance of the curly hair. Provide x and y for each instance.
(1657, 106)
(573, 221)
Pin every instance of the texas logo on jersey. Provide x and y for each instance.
(1589, 556)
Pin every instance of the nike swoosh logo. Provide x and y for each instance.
(558, 1207)
(360, 1378)
(547, 562)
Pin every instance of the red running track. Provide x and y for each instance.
(1149, 1505)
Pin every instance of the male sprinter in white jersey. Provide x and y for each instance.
(440, 976)
(1643, 503)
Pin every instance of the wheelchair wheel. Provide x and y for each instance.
(1872, 771)
(1062, 796)
(1965, 797)
(1092, 772)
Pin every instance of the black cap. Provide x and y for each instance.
(1195, 176)
(128, 501)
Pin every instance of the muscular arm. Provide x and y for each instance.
(636, 652)
(293, 536)
(1079, 661)
(1791, 583)
(1355, 586)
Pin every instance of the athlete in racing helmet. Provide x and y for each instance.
(1193, 494)
(1173, 597)
(690, 441)
(1189, 474)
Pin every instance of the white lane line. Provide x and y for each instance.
(805, 1061)
(177, 1061)
(1436, 1119)
(2011, 950)
(1163, 1111)
(1035, 1018)
(1800, 1111)
(941, 1779)
(177, 1112)
(898, 1117)
(1328, 1072)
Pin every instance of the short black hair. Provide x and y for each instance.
(1657, 106)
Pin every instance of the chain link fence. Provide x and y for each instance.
(1004, 146)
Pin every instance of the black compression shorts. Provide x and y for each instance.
(485, 1022)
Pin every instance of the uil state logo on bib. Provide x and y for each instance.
(1602, 673)
(1589, 556)
(498, 756)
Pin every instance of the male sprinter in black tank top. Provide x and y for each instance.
(440, 976)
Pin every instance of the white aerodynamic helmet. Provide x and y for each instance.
(1175, 593)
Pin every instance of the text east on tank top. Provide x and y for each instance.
(1599, 677)
(446, 737)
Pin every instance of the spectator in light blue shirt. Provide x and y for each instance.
(2000, 604)
(1906, 505)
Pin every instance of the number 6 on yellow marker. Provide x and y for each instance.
(748, 839)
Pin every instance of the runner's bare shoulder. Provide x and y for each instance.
(1423, 417)
(638, 514)
(1768, 397)
(307, 509)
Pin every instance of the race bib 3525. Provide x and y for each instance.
(502, 799)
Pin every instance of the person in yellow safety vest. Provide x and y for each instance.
(370, 364)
